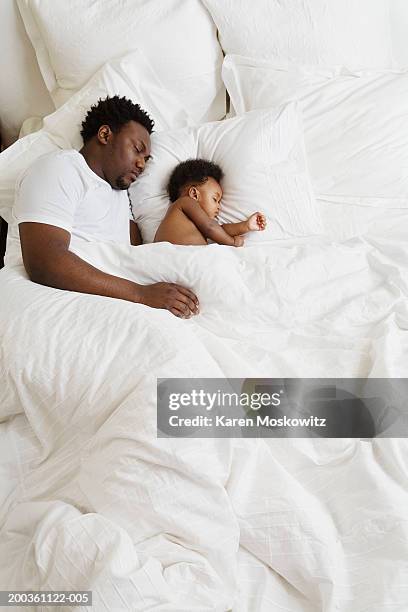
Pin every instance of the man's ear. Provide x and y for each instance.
(194, 193)
(104, 134)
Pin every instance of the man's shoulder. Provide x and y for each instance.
(64, 163)
(66, 157)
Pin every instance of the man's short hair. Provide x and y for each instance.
(192, 172)
(115, 112)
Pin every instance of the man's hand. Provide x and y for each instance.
(180, 301)
(256, 222)
(238, 241)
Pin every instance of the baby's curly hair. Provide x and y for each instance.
(115, 112)
(192, 172)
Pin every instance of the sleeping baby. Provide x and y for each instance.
(195, 195)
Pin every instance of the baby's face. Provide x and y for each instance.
(210, 197)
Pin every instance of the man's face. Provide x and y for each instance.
(125, 155)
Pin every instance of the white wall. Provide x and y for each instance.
(22, 90)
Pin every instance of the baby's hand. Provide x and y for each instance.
(256, 222)
(238, 241)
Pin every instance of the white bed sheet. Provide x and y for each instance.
(103, 504)
(342, 220)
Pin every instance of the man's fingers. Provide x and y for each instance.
(188, 297)
(186, 305)
(185, 308)
(181, 310)
(177, 313)
(186, 292)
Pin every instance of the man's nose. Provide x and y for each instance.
(140, 162)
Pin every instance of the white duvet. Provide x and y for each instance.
(91, 499)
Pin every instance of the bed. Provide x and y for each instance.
(304, 104)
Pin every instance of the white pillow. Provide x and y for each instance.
(130, 76)
(262, 156)
(356, 124)
(72, 40)
(355, 33)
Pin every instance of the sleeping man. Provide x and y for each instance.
(195, 194)
(69, 196)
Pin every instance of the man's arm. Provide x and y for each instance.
(49, 262)
(135, 235)
(208, 227)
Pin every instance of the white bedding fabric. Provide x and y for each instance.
(355, 123)
(89, 497)
(353, 33)
(96, 501)
(177, 36)
(262, 155)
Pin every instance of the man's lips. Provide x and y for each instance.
(134, 175)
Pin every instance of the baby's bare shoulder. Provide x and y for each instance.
(176, 209)
(175, 213)
(183, 202)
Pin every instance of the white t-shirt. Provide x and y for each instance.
(61, 189)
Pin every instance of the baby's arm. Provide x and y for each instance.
(208, 227)
(236, 229)
(255, 223)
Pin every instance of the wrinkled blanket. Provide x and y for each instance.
(93, 500)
